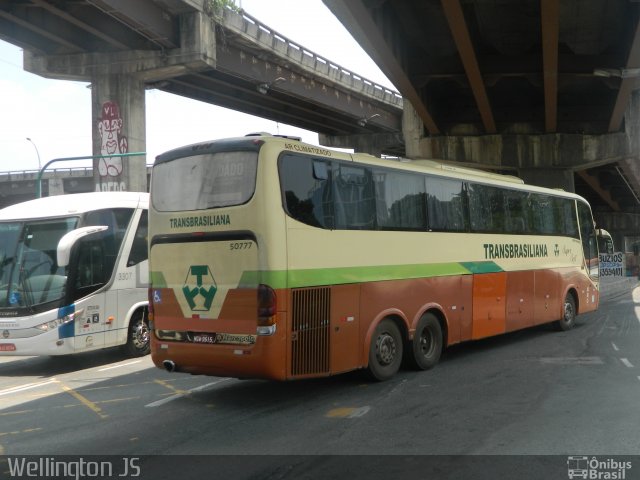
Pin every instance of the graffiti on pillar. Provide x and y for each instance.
(112, 141)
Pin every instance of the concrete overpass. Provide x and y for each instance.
(547, 89)
(198, 49)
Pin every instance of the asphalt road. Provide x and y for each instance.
(534, 392)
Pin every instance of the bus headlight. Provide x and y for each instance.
(53, 324)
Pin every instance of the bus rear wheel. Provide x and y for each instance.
(385, 351)
(568, 319)
(138, 339)
(427, 343)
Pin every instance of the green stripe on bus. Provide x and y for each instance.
(482, 267)
(301, 278)
(336, 276)
(343, 275)
(158, 280)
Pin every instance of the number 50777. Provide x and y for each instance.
(240, 245)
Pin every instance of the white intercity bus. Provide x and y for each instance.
(74, 274)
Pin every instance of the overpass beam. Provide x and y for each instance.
(530, 155)
(118, 83)
(372, 143)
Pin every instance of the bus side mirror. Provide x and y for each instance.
(67, 242)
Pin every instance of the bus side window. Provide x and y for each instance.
(486, 213)
(515, 210)
(354, 198)
(400, 200)
(117, 219)
(89, 268)
(446, 205)
(588, 235)
(307, 188)
(139, 248)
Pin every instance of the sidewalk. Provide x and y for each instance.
(613, 286)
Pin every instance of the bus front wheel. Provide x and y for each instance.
(138, 338)
(385, 351)
(426, 347)
(568, 319)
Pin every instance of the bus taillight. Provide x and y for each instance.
(267, 310)
(150, 308)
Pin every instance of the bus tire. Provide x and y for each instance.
(138, 338)
(426, 347)
(568, 319)
(385, 351)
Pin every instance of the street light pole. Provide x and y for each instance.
(37, 153)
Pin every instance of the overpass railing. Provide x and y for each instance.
(253, 30)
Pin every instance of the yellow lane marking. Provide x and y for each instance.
(171, 387)
(100, 402)
(18, 432)
(115, 400)
(18, 412)
(70, 405)
(347, 412)
(84, 400)
(109, 387)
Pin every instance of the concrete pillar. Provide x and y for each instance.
(118, 106)
(118, 94)
(412, 130)
(56, 186)
(631, 164)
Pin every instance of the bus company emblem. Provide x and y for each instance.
(199, 288)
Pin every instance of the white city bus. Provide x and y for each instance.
(74, 274)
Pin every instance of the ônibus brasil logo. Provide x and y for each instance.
(199, 288)
(594, 468)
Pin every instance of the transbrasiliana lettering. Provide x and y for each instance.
(515, 250)
(200, 221)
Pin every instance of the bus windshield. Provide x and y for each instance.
(200, 182)
(29, 272)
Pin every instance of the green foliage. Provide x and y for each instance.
(216, 8)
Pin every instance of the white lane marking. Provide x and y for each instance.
(119, 365)
(359, 412)
(626, 362)
(29, 386)
(572, 360)
(615, 347)
(157, 403)
(164, 400)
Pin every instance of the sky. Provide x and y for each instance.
(56, 114)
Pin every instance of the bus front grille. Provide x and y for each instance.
(311, 309)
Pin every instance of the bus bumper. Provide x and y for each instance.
(265, 359)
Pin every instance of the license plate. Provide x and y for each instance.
(7, 347)
(203, 338)
(224, 338)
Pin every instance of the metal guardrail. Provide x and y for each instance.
(253, 30)
(71, 159)
(71, 171)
